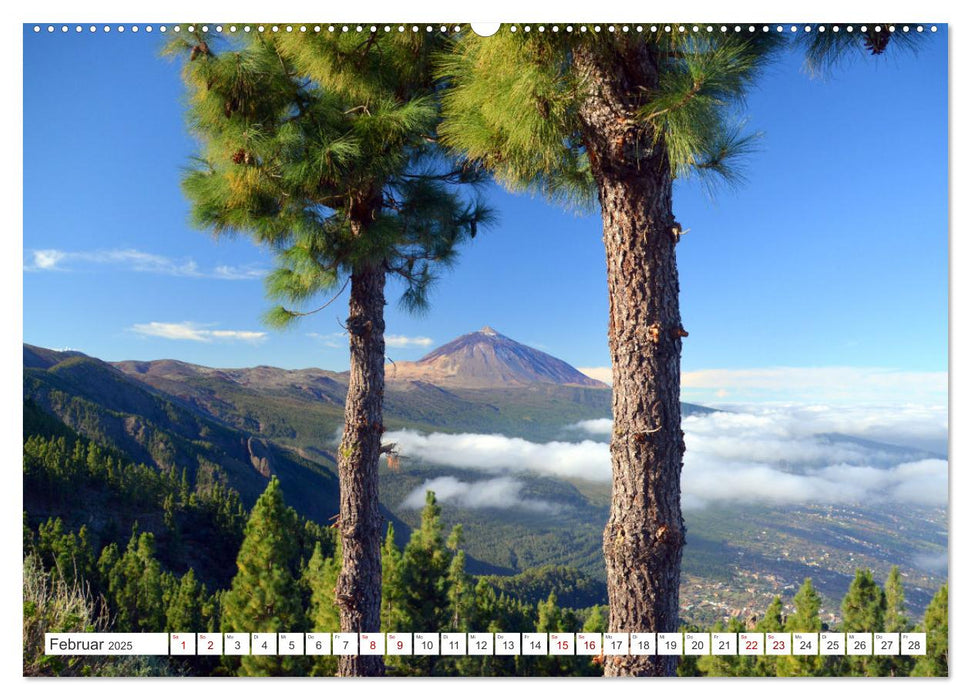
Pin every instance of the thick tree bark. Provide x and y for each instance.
(644, 535)
(359, 583)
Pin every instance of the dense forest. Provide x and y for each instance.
(110, 545)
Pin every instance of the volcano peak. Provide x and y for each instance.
(488, 359)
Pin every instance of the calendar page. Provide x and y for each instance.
(448, 349)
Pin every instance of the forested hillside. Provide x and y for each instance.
(112, 545)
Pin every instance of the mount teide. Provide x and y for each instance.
(488, 359)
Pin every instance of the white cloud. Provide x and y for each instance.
(501, 492)
(231, 272)
(792, 429)
(849, 385)
(594, 426)
(136, 261)
(498, 453)
(403, 341)
(603, 374)
(919, 483)
(785, 455)
(47, 259)
(330, 340)
(194, 332)
(920, 426)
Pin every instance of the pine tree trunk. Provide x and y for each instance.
(359, 583)
(644, 535)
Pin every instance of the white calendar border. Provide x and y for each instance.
(443, 10)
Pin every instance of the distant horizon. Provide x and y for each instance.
(772, 386)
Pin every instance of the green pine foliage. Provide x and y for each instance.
(425, 565)
(265, 595)
(190, 608)
(137, 588)
(826, 49)
(864, 608)
(895, 620)
(935, 661)
(895, 616)
(513, 102)
(772, 621)
(309, 141)
(68, 554)
(864, 605)
(421, 603)
(804, 619)
(573, 588)
(60, 464)
(320, 579)
(52, 604)
(391, 587)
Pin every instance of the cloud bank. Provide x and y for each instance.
(502, 492)
(501, 454)
(844, 385)
(776, 456)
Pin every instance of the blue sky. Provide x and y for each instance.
(824, 274)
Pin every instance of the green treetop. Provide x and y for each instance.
(935, 661)
(804, 619)
(265, 595)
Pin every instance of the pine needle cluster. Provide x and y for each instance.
(513, 103)
(323, 147)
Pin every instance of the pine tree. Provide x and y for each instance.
(595, 621)
(135, 585)
(69, 555)
(265, 595)
(620, 115)
(550, 617)
(320, 578)
(425, 567)
(186, 611)
(723, 665)
(863, 608)
(772, 621)
(390, 583)
(422, 600)
(804, 619)
(935, 661)
(462, 592)
(323, 147)
(895, 618)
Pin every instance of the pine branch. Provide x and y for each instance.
(280, 317)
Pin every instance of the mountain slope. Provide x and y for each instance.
(487, 359)
(102, 403)
(303, 408)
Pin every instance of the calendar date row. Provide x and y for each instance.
(490, 643)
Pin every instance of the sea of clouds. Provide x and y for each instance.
(746, 454)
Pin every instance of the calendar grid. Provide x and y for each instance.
(593, 644)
